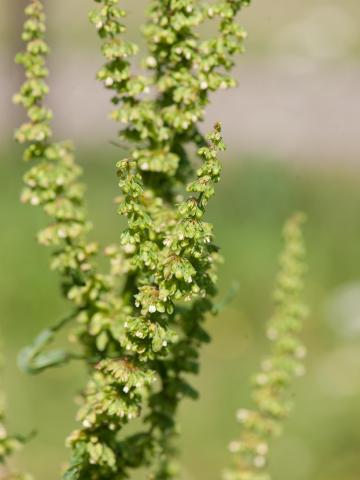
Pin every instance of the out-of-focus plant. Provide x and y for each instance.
(140, 326)
(9, 444)
(271, 384)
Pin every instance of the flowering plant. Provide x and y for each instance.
(139, 326)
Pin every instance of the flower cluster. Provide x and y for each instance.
(271, 385)
(53, 180)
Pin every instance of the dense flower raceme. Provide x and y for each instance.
(271, 385)
(168, 249)
(140, 326)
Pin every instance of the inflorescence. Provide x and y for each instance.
(285, 362)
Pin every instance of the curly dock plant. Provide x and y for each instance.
(271, 385)
(140, 326)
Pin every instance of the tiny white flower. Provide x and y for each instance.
(152, 309)
(129, 248)
(262, 379)
(35, 201)
(86, 423)
(259, 461)
(234, 446)
(41, 136)
(126, 389)
(110, 250)
(151, 62)
(204, 85)
(145, 166)
(3, 432)
(109, 82)
(242, 415)
(164, 343)
(62, 233)
(262, 449)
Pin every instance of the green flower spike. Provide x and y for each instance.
(272, 384)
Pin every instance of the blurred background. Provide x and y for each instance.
(292, 127)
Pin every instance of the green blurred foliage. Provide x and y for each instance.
(254, 199)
